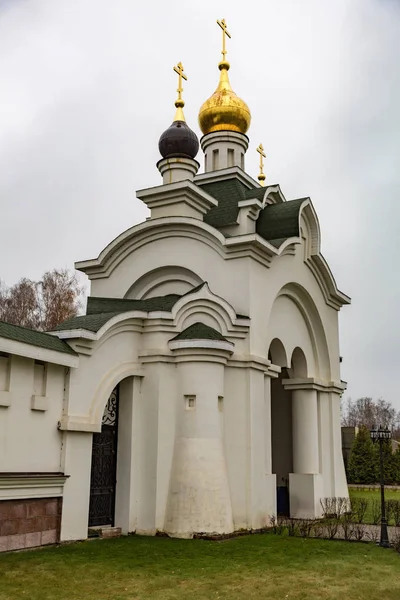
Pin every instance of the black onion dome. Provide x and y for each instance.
(178, 141)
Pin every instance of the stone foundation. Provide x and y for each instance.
(29, 523)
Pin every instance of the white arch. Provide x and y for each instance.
(146, 286)
(298, 364)
(278, 353)
(148, 232)
(309, 311)
(106, 385)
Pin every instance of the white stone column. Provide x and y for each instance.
(270, 477)
(306, 482)
(339, 483)
(305, 431)
(199, 496)
(325, 442)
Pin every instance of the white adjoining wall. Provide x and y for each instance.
(29, 438)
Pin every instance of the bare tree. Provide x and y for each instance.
(41, 305)
(369, 413)
(18, 304)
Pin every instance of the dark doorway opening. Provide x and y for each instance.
(282, 447)
(104, 466)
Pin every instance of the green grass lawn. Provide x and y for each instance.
(371, 495)
(258, 566)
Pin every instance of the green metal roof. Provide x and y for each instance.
(101, 310)
(277, 222)
(117, 305)
(228, 193)
(199, 331)
(34, 338)
(88, 322)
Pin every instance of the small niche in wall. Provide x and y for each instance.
(39, 400)
(231, 154)
(5, 369)
(220, 403)
(215, 159)
(190, 402)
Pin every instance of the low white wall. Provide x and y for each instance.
(29, 439)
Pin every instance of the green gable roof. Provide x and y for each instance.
(34, 338)
(118, 305)
(228, 193)
(199, 331)
(101, 310)
(277, 222)
(88, 322)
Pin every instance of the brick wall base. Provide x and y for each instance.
(29, 523)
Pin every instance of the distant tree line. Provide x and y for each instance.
(369, 413)
(363, 466)
(41, 305)
(363, 463)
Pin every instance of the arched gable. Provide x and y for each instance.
(169, 279)
(301, 327)
(146, 233)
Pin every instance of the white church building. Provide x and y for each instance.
(200, 393)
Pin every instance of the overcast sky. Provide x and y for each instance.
(86, 88)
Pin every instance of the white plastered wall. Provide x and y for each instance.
(29, 439)
(228, 279)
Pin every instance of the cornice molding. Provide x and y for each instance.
(310, 383)
(38, 353)
(31, 485)
(225, 174)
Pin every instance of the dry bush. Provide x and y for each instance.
(347, 524)
(372, 534)
(306, 527)
(334, 507)
(376, 511)
(278, 525)
(359, 507)
(359, 530)
(396, 512)
(396, 539)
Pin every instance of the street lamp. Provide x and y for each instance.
(381, 435)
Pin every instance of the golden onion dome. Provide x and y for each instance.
(224, 110)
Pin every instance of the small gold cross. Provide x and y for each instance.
(261, 176)
(181, 75)
(225, 33)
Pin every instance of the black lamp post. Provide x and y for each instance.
(381, 435)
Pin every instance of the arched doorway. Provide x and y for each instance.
(104, 466)
(282, 419)
(281, 428)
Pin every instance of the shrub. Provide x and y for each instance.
(359, 507)
(376, 511)
(362, 461)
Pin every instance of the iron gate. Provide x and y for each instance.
(104, 467)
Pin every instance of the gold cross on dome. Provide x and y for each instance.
(181, 75)
(261, 177)
(225, 34)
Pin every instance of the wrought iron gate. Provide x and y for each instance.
(104, 467)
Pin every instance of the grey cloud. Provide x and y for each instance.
(87, 87)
